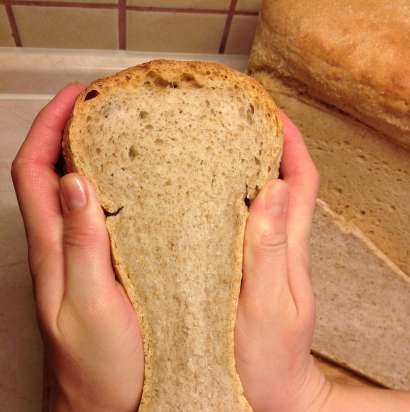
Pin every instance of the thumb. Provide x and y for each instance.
(87, 256)
(265, 280)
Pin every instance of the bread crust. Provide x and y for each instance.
(353, 55)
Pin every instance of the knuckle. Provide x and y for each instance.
(80, 235)
(24, 169)
(16, 168)
(273, 242)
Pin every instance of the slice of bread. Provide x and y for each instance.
(175, 150)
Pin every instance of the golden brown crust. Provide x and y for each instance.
(354, 56)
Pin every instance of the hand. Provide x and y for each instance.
(90, 330)
(276, 309)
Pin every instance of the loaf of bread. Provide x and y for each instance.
(319, 54)
(323, 63)
(350, 54)
(174, 150)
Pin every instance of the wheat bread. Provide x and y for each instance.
(353, 55)
(364, 176)
(322, 63)
(362, 302)
(364, 181)
(174, 150)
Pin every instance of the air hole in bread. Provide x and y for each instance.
(107, 213)
(132, 152)
(159, 81)
(247, 201)
(191, 80)
(143, 114)
(91, 95)
(249, 116)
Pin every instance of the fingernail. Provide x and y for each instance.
(73, 192)
(276, 199)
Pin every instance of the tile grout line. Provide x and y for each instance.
(122, 24)
(68, 4)
(13, 24)
(227, 28)
(191, 10)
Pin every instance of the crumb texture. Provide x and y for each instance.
(174, 150)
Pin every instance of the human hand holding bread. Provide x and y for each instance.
(89, 326)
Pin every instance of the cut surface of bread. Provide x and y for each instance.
(174, 150)
(362, 301)
(352, 157)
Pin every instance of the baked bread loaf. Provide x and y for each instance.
(350, 54)
(323, 63)
(174, 150)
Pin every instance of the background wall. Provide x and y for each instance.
(196, 26)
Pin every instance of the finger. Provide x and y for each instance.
(35, 181)
(88, 267)
(299, 171)
(37, 188)
(42, 144)
(265, 283)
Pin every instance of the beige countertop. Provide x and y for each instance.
(28, 79)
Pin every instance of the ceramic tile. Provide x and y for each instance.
(79, 1)
(177, 32)
(248, 5)
(241, 34)
(6, 39)
(67, 27)
(192, 4)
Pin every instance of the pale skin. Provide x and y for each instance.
(93, 342)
